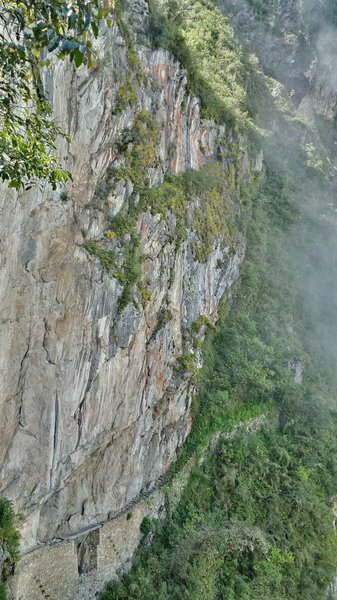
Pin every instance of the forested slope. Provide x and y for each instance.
(255, 520)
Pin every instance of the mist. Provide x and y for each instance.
(282, 480)
(304, 59)
(326, 57)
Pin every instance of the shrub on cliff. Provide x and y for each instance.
(9, 543)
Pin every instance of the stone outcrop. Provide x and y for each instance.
(93, 402)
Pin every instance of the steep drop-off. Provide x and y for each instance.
(108, 288)
(96, 313)
(256, 519)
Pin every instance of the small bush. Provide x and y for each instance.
(107, 257)
(64, 196)
(3, 592)
(186, 363)
(148, 525)
(126, 95)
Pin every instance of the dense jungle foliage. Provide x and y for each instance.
(255, 520)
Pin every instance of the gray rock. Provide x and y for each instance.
(92, 408)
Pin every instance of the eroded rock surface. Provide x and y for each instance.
(93, 405)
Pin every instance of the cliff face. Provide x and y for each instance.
(295, 44)
(94, 400)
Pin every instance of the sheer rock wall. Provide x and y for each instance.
(93, 406)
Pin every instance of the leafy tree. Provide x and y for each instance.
(30, 31)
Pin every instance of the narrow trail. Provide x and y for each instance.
(251, 425)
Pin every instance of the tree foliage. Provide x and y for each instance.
(9, 543)
(30, 33)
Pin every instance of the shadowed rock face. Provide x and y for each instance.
(296, 44)
(93, 407)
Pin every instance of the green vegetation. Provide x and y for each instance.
(106, 257)
(64, 196)
(201, 322)
(213, 189)
(148, 525)
(138, 145)
(128, 275)
(126, 95)
(211, 217)
(131, 274)
(249, 526)
(199, 36)
(187, 363)
(29, 30)
(222, 95)
(212, 221)
(9, 543)
(255, 520)
(225, 76)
